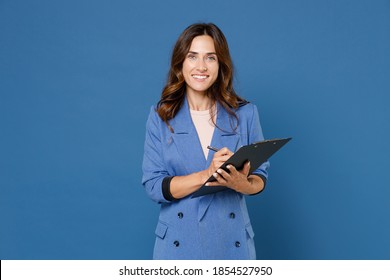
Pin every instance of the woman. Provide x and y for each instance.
(199, 107)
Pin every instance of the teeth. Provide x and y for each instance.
(199, 77)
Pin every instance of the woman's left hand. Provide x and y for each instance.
(236, 180)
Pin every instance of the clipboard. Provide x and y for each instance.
(257, 153)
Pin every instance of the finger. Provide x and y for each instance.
(221, 159)
(224, 158)
(246, 169)
(232, 169)
(220, 179)
(223, 151)
(224, 174)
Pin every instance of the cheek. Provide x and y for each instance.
(184, 71)
(215, 68)
(215, 73)
(186, 67)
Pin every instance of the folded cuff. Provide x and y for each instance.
(166, 188)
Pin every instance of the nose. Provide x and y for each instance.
(202, 66)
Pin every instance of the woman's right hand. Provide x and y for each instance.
(219, 158)
(182, 186)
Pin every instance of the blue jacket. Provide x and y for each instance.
(215, 226)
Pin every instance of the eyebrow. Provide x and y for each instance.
(198, 53)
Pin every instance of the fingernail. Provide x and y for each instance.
(215, 175)
(219, 170)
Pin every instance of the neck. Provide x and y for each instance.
(199, 102)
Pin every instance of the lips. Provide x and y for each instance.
(200, 77)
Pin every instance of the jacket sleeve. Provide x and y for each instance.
(256, 135)
(153, 168)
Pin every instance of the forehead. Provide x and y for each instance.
(202, 44)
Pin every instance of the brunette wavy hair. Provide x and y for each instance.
(221, 91)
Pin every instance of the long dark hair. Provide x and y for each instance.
(221, 91)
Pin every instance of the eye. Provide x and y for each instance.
(191, 57)
(212, 58)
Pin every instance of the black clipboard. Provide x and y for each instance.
(257, 153)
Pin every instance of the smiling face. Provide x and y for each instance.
(200, 67)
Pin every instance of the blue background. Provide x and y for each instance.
(77, 79)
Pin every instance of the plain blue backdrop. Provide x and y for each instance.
(77, 79)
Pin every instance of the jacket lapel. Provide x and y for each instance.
(224, 136)
(187, 141)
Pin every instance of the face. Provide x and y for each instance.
(200, 67)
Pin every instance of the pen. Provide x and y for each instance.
(212, 148)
